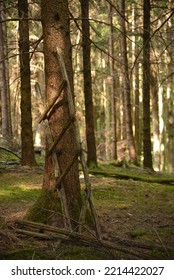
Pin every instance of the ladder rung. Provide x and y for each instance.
(70, 120)
(44, 115)
(57, 106)
(64, 173)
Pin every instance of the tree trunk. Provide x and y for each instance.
(28, 157)
(89, 115)
(146, 86)
(126, 84)
(170, 97)
(155, 117)
(112, 85)
(4, 87)
(138, 116)
(56, 33)
(135, 81)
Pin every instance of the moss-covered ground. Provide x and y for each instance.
(136, 209)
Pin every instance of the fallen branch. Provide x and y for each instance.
(146, 246)
(68, 236)
(10, 151)
(160, 180)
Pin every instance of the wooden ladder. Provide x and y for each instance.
(88, 200)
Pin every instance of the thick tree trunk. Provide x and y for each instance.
(56, 33)
(89, 115)
(126, 84)
(146, 86)
(28, 157)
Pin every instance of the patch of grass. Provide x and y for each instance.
(161, 255)
(17, 194)
(72, 252)
(20, 187)
(136, 173)
(27, 254)
(110, 197)
(138, 232)
(166, 231)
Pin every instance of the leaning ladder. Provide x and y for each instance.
(88, 200)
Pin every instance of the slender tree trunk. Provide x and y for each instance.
(135, 80)
(89, 115)
(112, 84)
(56, 33)
(28, 157)
(170, 97)
(155, 117)
(126, 83)
(137, 111)
(146, 86)
(4, 87)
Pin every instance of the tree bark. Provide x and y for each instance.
(155, 117)
(170, 96)
(4, 87)
(28, 157)
(56, 33)
(146, 86)
(112, 84)
(126, 84)
(89, 115)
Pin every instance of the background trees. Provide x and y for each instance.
(27, 145)
(89, 114)
(149, 51)
(4, 80)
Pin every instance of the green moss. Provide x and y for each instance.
(72, 252)
(45, 207)
(15, 188)
(159, 255)
(27, 253)
(138, 232)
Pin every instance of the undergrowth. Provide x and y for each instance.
(135, 210)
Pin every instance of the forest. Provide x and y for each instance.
(86, 129)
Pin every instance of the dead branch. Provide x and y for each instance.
(70, 236)
(10, 151)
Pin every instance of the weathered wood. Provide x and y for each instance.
(10, 151)
(89, 197)
(44, 115)
(84, 167)
(70, 120)
(64, 173)
(93, 242)
(160, 180)
(66, 216)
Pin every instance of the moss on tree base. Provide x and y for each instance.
(46, 209)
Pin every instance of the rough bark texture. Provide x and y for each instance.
(126, 84)
(28, 157)
(89, 115)
(56, 33)
(146, 86)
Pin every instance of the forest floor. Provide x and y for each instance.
(135, 209)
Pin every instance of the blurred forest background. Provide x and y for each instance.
(130, 53)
